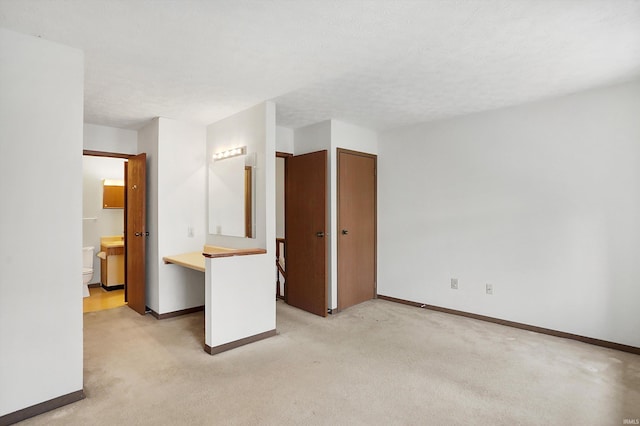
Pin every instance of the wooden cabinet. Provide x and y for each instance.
(112, 266)
(113, 196)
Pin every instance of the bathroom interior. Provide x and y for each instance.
(102, 233)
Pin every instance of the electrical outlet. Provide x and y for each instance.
(454, 283)
(489, 288)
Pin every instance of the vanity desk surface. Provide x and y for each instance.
(215, 251)
(196, 260)
(193, 260)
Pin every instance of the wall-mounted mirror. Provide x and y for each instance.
(231, 197)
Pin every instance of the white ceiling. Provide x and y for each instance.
(380, 64)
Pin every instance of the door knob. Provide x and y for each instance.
(345, 232)
(319, 234)
(138, 234)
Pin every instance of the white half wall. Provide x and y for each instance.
(542, 201)
(110, 139)
(41, 111)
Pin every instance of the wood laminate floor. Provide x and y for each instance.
(100, 299)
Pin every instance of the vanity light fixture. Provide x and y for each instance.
(230, 153)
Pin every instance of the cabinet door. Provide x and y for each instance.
(112, 197)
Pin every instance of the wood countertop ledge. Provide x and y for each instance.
(215, 251)
(193, 260)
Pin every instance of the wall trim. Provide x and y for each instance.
(106, 154)
(541, 330)
(237, 343)
(176, 313)
(43, 407)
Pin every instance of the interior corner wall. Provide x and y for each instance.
(41, 112)
(541, 200)
(181, 209)
(148, 144)
(110, 139)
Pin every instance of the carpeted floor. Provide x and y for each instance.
(378, 363)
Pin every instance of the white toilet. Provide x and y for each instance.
(87, 269)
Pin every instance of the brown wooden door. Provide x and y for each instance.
(356, 228)
(305, 228)
(135, 232)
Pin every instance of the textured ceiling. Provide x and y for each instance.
(380, 64)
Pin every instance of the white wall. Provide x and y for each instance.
(315, 137)
(541, 200)
(175, 202)
(240, 290)
(41, 109)
(331, 135)
(181, 206)
(284, 139)
(110, 139)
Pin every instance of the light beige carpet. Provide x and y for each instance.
(378, 363)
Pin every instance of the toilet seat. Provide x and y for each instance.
(87, 271)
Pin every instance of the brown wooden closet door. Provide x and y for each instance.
(356, 228)
(305, 228)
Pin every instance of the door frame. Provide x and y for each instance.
(284, 156)
(107, 154)
(375, 216)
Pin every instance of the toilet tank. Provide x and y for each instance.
(87, 257)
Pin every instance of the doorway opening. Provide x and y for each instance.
(281, 241)
(114, 227)
(103, 228)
